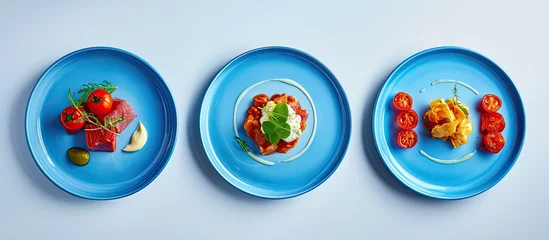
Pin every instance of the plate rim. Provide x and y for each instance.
(168, 94)
(500, 72)
(335, 82)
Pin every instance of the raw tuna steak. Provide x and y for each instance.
(121, 108)
(98, 139)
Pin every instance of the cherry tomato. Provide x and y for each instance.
(99, 102)
(493, 142)
(71, 119)
(492, 122)
(491, 103)
(407, 119)
(407, 138)
(402, 101)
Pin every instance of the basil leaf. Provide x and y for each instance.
(280, 112)
(272, 138)
(275, 120)
(284, 130)
(268, 127)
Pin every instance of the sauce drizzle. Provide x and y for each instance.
(457, 82)
(449, 161)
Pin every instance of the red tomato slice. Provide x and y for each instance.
(407, 119)
(407, 138)
(492, 122)
(491, 103)
(402, 101)
(493, 142)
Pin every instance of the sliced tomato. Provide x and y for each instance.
(407, 138)
(493, 142)
(407, 119)
(491, 103)
(402, 101)
(492, 122)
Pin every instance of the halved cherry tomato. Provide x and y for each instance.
(493, 142)
(491, 103)
(492, 122)
(407, 119)
(71, 119)
(407, 138)
(99, 102)
(402, 101)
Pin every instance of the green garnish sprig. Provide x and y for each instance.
(243, 144)
(90, 117)
(276, 127)
(458, 101)
(90, 87)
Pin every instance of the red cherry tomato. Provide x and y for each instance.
(492, 122)
(99, 102)
(491, 103)
(493, 142)
(71, 119)
(407, 119)
(407, 138)
(402, 101)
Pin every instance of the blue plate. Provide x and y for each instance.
(107, 175)
(453, 181)
(320, 148)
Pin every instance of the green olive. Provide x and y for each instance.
(78, 156)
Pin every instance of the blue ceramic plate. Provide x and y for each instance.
(275, 70)
(448, 181)
(107, 175)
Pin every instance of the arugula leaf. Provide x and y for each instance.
(90, 87)
(283, 131)
(269, 127)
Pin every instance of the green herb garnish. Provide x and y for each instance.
(90, 117)
(276, 127)
(90, 87)
(243, 144)
(457, 101)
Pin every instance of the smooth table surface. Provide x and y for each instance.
(189, 41)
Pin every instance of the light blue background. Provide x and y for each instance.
(188, 41)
